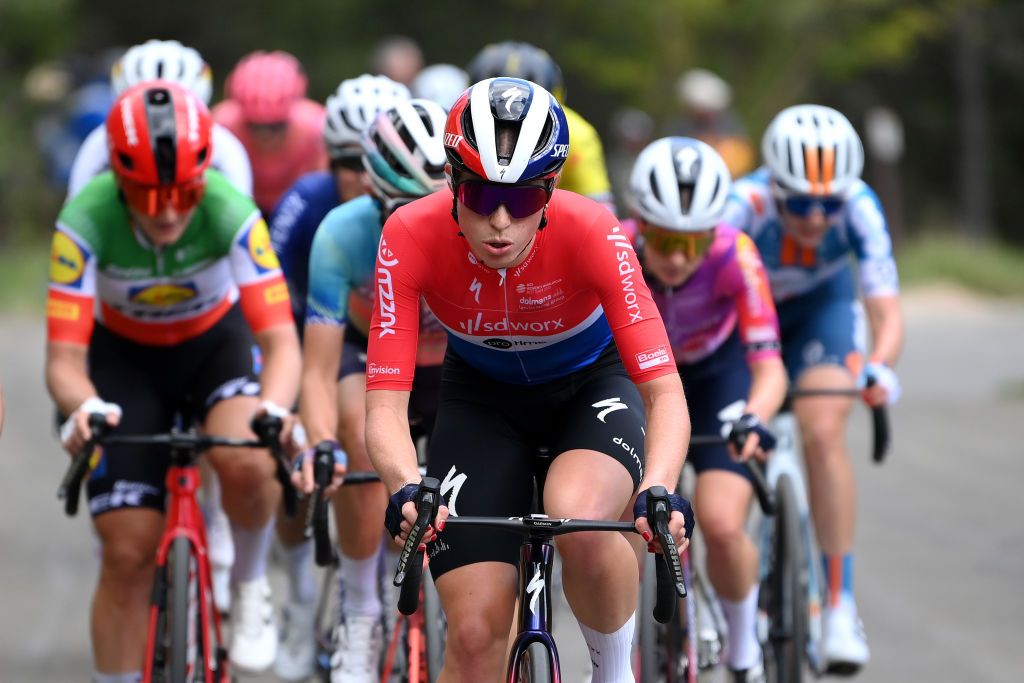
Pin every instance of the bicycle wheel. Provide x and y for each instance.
(662, 647)
(184, 618)
(435, 628)
(786, 591)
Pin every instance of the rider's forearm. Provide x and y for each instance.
(387, 439)
(886, 319)
(318, 404)
(668, 431)
(67, 376)
(767, 388)
(282, 362)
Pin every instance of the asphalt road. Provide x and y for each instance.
(940, 559)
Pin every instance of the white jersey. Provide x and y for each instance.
(229, 158)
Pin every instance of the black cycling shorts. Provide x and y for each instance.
(154, 385)
(488, 433)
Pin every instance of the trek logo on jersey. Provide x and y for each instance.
(626, 272)
(163, 294)
(385, 289)
(652, 357)
(560, 151)
(258, 244)
(452, 140)
(67, 260)
(375, 369)
(475, 325)
(128, 121)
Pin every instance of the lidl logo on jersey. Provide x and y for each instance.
(67, 260)
(163, 294)
(258, 243)
(652, 357)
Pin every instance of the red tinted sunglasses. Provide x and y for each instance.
(520, 200)
(151, 200)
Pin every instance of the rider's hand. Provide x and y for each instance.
(75, 431)
(749, 438)
(880, 384)
(401, 515)
(304, 477)
(289, 436)
(680, 522)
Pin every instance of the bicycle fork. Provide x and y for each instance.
(535, 608)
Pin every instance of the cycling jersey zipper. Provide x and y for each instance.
(508, 323)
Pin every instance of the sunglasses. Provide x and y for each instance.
(152, 200)
(666, 242)
(803, 205)
(485, 198)
(348, 163)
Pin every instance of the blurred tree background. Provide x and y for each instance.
(951, 70)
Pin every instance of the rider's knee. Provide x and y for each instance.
(474, 639)
(128, 561)
(721, 533)
(245, 471)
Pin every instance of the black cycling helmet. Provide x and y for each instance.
(518, 60)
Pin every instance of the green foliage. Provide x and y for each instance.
(989, 269)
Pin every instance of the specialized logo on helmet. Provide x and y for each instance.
(192, 115)
(687, 164)
(67, 262)
(163, 295)
(452, 139)
(560, 151)
(131, 134)
(512, 98)
(260, 249)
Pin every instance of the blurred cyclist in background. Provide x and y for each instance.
(712, 291)
(293, 224)
(397, 57)
(706, 99)
(808, 211)
(584, 171)
(171, 61)
(442, 83)
(404, 159)
(267, 110)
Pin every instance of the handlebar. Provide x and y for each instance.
(879, 417)
(765, 495)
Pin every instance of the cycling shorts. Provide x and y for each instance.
(154, 385)
(716, 394)
(485, 445)
(823, 327)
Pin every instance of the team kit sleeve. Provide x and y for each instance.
(615, 274)
(72, 288)
(262, 290)
(758, 319)
(91, 159)
(869, 235)
(394, 329)
(330, 277)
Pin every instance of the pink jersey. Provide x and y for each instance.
(579, 287)
(302, 151)
(729, 288)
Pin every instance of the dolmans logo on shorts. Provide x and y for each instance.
(652, 357)
(374, 369)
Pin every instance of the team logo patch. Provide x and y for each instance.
(260, 250)
(652, 357)
(67, 260)
(275, 294)
(62, 310)
(163, 295)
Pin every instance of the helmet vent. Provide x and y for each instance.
(126, 161)
(166, 159)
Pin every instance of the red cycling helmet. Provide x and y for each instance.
(158, 134)
(265, 85)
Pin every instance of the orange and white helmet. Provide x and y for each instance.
(813, 150)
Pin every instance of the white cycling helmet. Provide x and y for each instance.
(681, 184)
(353, 107)
(404, 151)
(442, 83)
(166, 60)
(813, 150)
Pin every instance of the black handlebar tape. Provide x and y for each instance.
(70, 488)
(669, 571)
(880, 419)
(765, 496)
(268, 428)
(323, 467)
(410, 562)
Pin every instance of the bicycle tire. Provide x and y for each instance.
(650, 664)
(435, 628)
(787, 590)
(183, 581)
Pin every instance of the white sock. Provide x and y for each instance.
(359, 587)
(301, 581)
(610, 653)
(133, 677)
(744, 650)
(251, 549)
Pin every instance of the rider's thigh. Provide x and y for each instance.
(238, 468)
(352, 420)
(479, 601)
(822, 419)
(721, 502)
(129, 539)
(586, 484)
